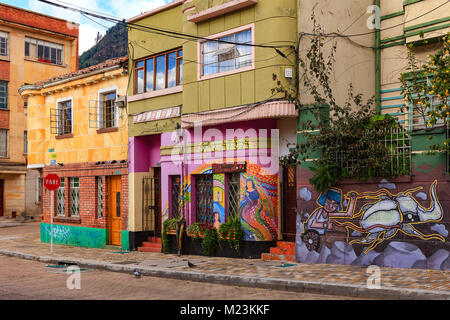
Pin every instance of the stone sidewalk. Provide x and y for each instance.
(23, 241)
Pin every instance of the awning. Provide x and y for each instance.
(157, 115)
(269, 110)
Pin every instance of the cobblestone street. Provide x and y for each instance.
(31, 280)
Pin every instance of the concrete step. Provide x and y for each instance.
(151, 239)
(278, 250)
(149, 249)
(277, 257)
(151, 244)
(286, 245)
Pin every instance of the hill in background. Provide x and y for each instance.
(114, 44)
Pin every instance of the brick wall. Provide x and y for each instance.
(4, 70)
(4, 119)
(37, 20)
(87, 174)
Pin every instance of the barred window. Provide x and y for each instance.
(108, 111)
(99, 197)
(74, 197)
(4, 49)
(44, 51)
(4, 137)
(64, 117)
(4, 95)
(234, 185)
(61, 200)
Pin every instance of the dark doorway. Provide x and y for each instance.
(289, 203)
(151, 203)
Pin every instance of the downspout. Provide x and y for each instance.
(378, 62)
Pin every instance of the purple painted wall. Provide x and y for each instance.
(144, 153)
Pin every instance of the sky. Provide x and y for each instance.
(123, 9)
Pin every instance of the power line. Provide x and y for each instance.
(174, 34)
(337, 35)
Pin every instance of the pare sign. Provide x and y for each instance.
(52, 182)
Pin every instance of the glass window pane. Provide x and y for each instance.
(210, 64)
(160, 72)
(244, 37)
(209, 47)
(150, 67)
(140, 64)
(172, 72)
(181, 71)
(140, 81)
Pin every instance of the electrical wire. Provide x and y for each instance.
(165, 32)
(337, 35)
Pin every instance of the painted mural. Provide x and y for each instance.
(343, 225)
(258, 201)
(259, 204)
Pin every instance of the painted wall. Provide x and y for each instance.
(355, 60)
(86, 144)
(259, 207)
(144, 44)
(401, 25)
(75, 236)
(18, 70)
(275, 23)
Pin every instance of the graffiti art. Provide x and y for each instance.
(382, 217)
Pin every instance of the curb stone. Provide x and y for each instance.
(340, 289)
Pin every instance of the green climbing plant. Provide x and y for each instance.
(232, 231)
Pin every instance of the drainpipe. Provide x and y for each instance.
(377, 64)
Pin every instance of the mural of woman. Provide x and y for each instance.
(256, 223)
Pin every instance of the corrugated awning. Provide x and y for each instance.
(269, 110)
(157, 115)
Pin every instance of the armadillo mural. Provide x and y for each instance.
(380, 227)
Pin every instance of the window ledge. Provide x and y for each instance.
(67, 219)
(157, 93)
(4, 58)
(46, 63)
(64, 136)
(106, 130)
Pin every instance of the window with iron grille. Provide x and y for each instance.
(4, 49)
(204, 198)
(74, 197)
(4, 137)
(234, 186)
(175, 196)
(4, 95)
(108, 111)
(64, 117)
(44, 51)
(99, 197)
(61, 200)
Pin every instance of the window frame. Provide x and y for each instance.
(101, 108)
(99, 188)
(178, 64)
(60, 102)
(59, 53)
(6, 97)
(73, 189)
(217, 36)
(6, 144)
(60, 190)
(6, 37)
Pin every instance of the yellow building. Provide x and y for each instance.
(77, 126)
(33, 47)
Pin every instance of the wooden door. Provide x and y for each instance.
(289, 199)
(115, 230)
